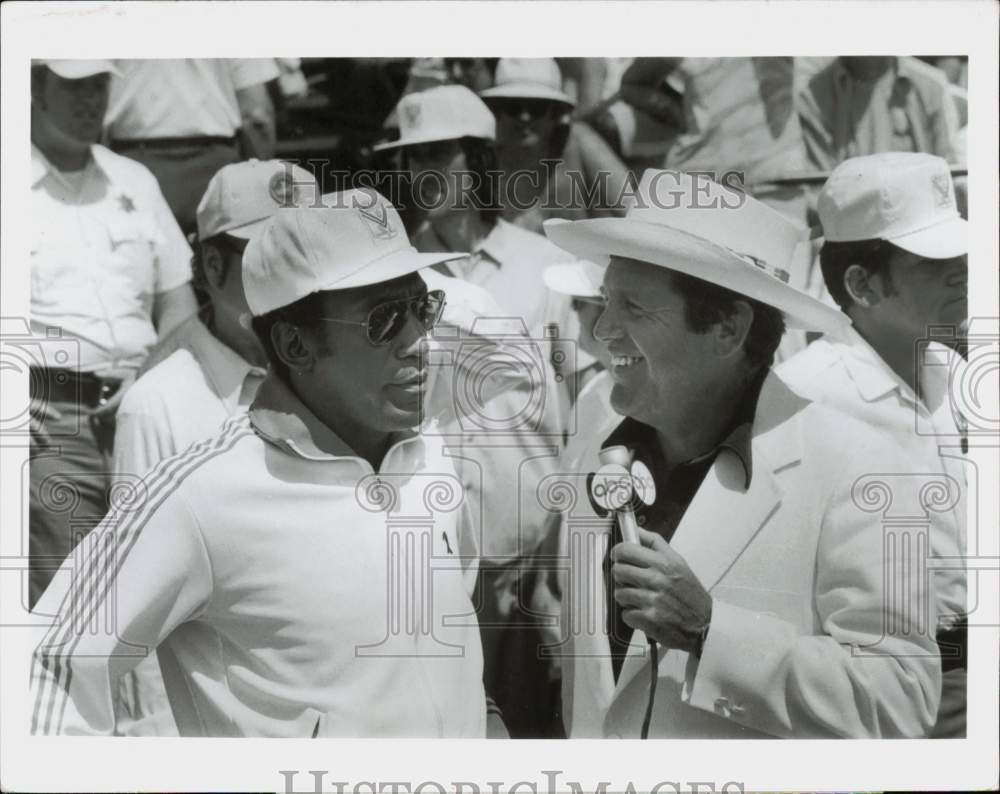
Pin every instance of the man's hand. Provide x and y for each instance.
(660, 594)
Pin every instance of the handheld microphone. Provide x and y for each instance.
(613, 487)
(616, 479)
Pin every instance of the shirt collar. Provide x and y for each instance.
(41, 167)
(872, 376)
(277, 415)
(641, 438)
(226, 369)
(499, 243)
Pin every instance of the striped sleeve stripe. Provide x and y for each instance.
(101, 569)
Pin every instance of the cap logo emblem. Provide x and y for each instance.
(376, 217)
(412, 113)
(281, 188)
(942, 190)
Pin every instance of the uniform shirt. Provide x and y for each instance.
(103, 244)
(181, 97)
(852, 378)
(909, 108)
(289, 588)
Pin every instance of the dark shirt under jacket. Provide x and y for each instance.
(675, 490)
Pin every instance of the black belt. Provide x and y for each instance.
(67, 385)
(953, 645)
(173, 143)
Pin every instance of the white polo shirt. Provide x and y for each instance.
(290, 591)
(182, 400)
(181, 97)
(103, 244)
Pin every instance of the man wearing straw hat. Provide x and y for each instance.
(273, 566)
(755, 571)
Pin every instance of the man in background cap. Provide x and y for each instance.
(110, 271)
(271, 565)
(895, 259)
(214, 374)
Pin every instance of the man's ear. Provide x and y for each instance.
(213, 264)
(293, 347)
(731, 332)
(858, 283)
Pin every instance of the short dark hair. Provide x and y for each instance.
(706, 304)
(224, 244)
(873, 255)
(303, 313)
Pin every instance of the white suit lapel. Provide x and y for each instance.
(723, 517)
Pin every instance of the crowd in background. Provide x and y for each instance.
(774, 126)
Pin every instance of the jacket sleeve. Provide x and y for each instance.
(142, 572)
(871, 667)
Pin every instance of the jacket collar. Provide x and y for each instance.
(280, 417)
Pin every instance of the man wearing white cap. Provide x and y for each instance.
(214, 374)
(551, 166)
(110, 271)
(753, 571)
(894, 257)
(306, 571)
(447, 137)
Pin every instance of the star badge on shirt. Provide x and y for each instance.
(126, 203)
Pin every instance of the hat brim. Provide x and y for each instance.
(944, 240)
(389, 267)
(598, 239)
(247, 230)
(429, 138)
(527, 91)
(78, 70)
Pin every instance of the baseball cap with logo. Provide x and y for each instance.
(442, 113)
(242, 196)
(903, 197)
(356, 240)
(70, 69)
(528, 78)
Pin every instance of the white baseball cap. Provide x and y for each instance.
(691, 224)
(356, 240)
(442, 113)
(579, 278)
(70, 69)
(242, 196)
(903, 197)
(528, 78)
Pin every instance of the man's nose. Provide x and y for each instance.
(410, 338)
(607, 328)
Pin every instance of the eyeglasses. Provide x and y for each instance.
(536, 108)
(386, 320)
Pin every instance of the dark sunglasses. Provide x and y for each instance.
(386, 320)
(536, 108)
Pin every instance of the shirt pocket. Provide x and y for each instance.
(132, 252)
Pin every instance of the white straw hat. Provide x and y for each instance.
(528, 78)
(691, 224)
